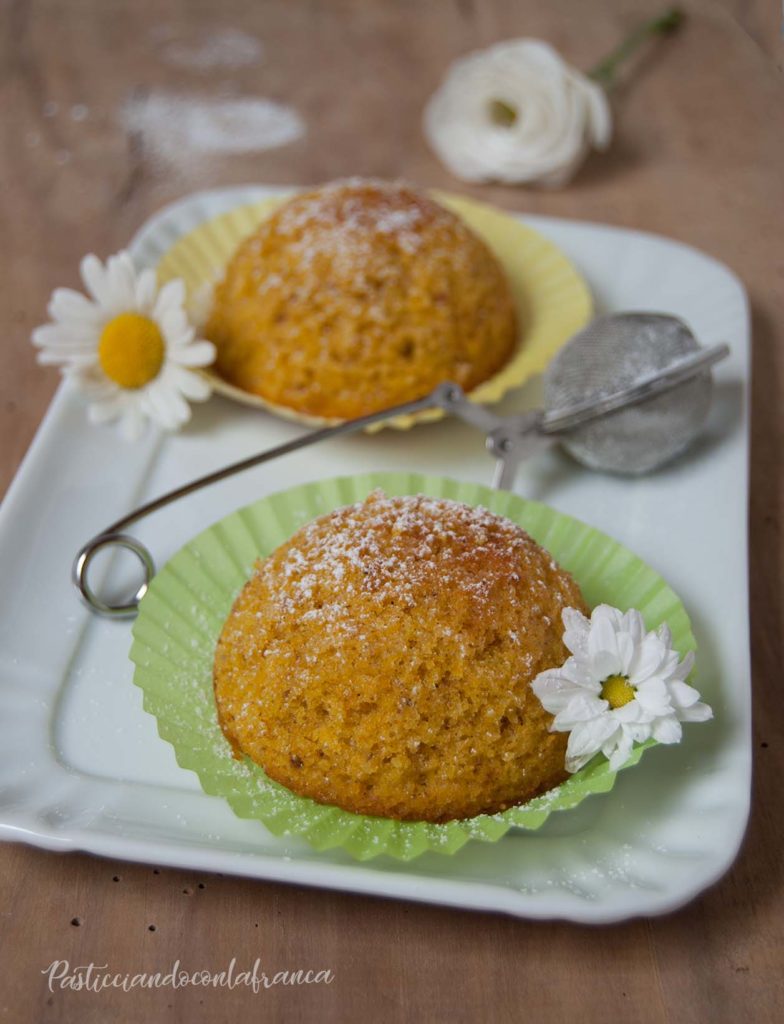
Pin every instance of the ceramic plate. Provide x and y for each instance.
(82, 766)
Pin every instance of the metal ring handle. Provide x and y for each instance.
(446, 396)
(82, 564)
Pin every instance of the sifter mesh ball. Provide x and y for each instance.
(612, 353)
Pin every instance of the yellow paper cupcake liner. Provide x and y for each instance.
(553, 300)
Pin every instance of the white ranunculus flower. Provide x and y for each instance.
(516, 113)
(128, 347)
(622, 685)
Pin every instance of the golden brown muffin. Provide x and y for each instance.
(358, 296)
(381, 660)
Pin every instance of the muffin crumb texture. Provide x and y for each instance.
(381, 661)
(357, 296)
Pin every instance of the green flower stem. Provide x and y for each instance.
(604, 72)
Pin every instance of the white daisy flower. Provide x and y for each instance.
(622, 685)
(129, 346)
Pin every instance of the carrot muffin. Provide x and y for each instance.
(357, 296)
(381, 661)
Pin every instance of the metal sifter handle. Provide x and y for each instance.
(448, 397)
(648, 387)
(508, 439)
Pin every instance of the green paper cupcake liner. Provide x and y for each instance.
(183, 612)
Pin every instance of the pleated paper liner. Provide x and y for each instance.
(182, 614)
(553, 300)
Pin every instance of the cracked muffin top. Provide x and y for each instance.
(357, 296)
(381, 661)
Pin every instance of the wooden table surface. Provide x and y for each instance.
(698, 155)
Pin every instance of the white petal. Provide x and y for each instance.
(574, 762)
(606, 663)
(65, 352)
(654, 697)
(171, 296)
(580, 709)
(607, 615)
(122, 279)
(96, 281)
(632, 713)
(668, 669)
(574, 619)
(593, 733)
(639, 732)
(66, 359)
(165, 405)
(67, 305)
(581, 673)
(602, 642)
(146, 288)
(174, 324)
(576, 630)
(198, 353)
(696, 713)
(620, 750)
(64, 336)
(633, 623)
(155, 407)
(667, 729)
(555, 687)
(682, 695)
(554, 690)
(664, 633)
(194, 386)
(626, 649)
(647, 658)
(587, 739)
(599, 114)
(683, 671)
(179, 339)
(180, 409)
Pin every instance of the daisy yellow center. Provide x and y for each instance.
(131, 350)
(617, 691)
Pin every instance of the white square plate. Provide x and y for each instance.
(82, 767)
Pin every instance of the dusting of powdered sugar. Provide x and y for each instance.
(339, 219)
(339, 557)
(177, 128)
(209, 51)
(348, 223)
